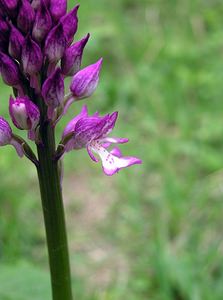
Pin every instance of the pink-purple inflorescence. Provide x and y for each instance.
(37, 52)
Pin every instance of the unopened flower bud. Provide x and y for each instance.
(36, 3)
(53, 89)
(16, 41)
(70, 23)
(25, 17)
(31, 57)
(4, 29)
(24, 113)
(42, 24)
(55, 44)
(58, 8)
(71, 61)
(85, 82)
(4, 33)
(9, 70)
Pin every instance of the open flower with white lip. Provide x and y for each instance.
(91, 132)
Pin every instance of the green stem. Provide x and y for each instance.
(52, 203)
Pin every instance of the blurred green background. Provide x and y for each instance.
(152, 231)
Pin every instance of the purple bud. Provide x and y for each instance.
(42, 24)
(70, 23)
(4, 33)
(24, 113)
(58, 8)
(2, 12)
(4, 30)
(10, 7)
(5, 132)
(25, 17)
(55, 44)
(36, 3)
(53, 89)
(9, 70)
(84, 82)
(71, 61)
(31, 57)
(16, 41)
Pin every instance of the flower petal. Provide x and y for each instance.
(112, 163)
(92, 155)
(115, 140)
(71, 125)
(110, 123)
(116, 152)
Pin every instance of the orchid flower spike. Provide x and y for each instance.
(91, 132)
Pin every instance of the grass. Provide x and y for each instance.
(153, 231)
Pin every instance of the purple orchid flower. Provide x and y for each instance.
(91, 132)
(7, 138)
(25, 114)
